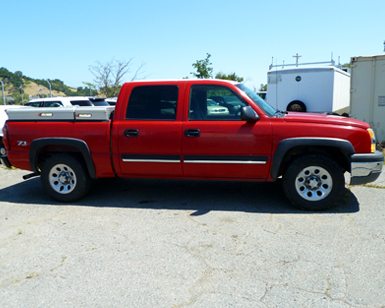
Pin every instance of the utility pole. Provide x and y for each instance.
(21, 93)
(50, 93)
(2, 89)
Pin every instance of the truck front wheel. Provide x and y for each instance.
(65, 178)
(313, 182)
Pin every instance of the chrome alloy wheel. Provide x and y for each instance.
(62, 179)
(313, 183)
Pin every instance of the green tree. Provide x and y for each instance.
(18, 98)
(89, 91)
(263, 87)
(203, 68)
(232, 76)
(11, 78)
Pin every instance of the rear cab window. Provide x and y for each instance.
(155, 102)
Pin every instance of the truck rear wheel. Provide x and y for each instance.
(296, 106)
(65, 178)
(313, 182)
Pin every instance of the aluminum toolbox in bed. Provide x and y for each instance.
(61, 113)
(102, 113)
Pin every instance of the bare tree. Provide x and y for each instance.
(109, 76)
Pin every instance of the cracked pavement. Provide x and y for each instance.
(154, 243)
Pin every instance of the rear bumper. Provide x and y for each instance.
(3, 156)
(4, 161)
(366, 168)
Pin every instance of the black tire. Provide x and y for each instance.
(314, 182)
(65, 178)
(296, 106)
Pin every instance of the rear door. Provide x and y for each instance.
(149, 137)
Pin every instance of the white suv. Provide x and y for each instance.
(60, 101)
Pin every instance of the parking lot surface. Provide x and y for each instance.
(164, 243)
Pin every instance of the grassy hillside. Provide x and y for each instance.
(31, 86)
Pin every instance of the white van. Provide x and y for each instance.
(309, 89)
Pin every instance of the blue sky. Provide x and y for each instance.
(62, 39)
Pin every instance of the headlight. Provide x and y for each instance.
(372, 140)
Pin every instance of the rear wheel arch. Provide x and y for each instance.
(42, 149)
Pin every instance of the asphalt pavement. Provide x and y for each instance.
(164, 243)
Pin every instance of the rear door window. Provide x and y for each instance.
(153, 103)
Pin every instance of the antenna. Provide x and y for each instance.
(276, 85)
(296, 59)
(272, 63)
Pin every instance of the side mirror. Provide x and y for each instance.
(248, 114)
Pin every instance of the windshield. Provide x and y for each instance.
(270, 111)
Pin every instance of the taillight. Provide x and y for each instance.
(372, 140)
(5, 137)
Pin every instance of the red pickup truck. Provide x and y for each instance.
(191, 129)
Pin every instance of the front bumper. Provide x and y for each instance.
(366, 168)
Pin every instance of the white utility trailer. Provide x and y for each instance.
(367, 99)
(311, 89)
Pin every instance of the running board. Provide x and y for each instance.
(31, 175)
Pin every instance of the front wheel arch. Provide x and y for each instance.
(289, 149)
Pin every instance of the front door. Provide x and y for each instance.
(217, 143)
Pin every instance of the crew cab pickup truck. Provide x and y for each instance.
(163, 129)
